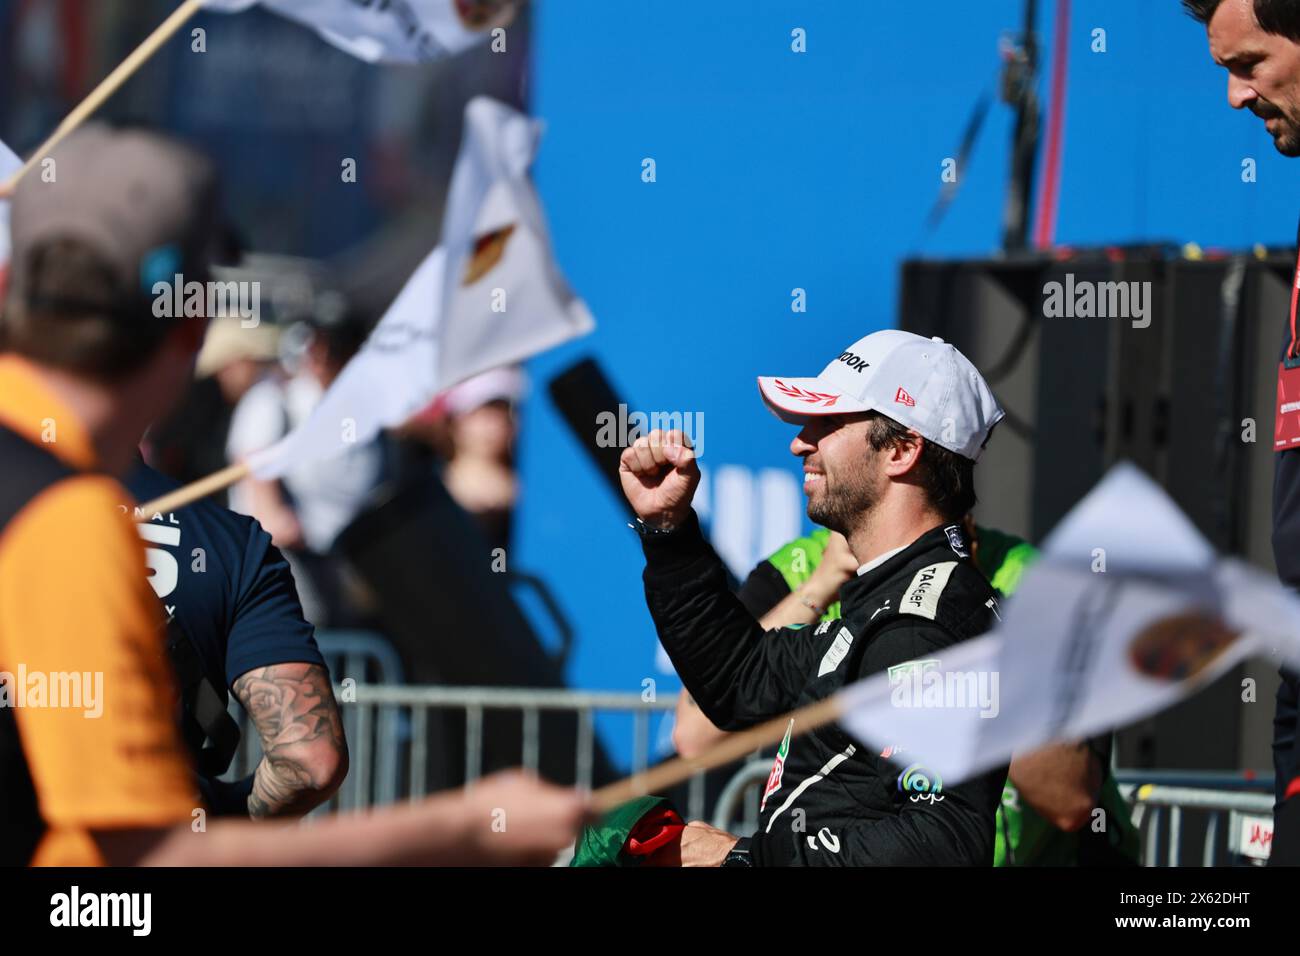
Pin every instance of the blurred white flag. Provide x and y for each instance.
(502, 286)
(391, 31)
(489, 295)
(1127, 611)
(9, 164)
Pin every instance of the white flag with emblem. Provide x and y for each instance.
(489, 295)
(390, 31)
(1127, 611)
(9, 164)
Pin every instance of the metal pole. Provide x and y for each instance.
(532, 735)
(419, 751)
(1175, 833)
(586, 748)
(1153, 836)
(640, 741)
(1211, 839)
(473, 743)
(361, 788)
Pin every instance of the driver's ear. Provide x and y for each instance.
(904, 455)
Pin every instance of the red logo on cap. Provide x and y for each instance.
(816, 398)
(902, 398)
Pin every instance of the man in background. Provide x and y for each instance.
(1258, 43)
(234, 623)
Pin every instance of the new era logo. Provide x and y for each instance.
(902, 398)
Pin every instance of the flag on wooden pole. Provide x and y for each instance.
(395, 31)
(489, 295)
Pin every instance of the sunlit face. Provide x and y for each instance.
(1263, 71)
(843, 475)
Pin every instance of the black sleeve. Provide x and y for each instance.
(738, 674)
(763, 590)
(1286, 834)
(957, 828)
(1286, 757)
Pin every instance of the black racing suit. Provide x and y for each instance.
(835, 804)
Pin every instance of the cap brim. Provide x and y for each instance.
(795, 400)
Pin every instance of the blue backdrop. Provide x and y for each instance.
(778, 170)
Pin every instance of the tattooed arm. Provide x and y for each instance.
(305, 756)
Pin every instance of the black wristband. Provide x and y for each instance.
(739, 855)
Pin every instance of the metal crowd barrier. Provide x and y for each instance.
(1232, 815)
(411, 705)
(387, 725)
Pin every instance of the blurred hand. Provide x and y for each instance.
(283, 527)
(659, 476)
(515, 819)
(837, 565)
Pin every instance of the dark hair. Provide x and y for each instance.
(1281, 17)
(947, 478)
(75, 316)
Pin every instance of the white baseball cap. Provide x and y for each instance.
(923, 384)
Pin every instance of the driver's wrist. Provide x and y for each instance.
(663, 523)
(819, 591)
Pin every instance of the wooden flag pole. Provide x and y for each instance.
(196, 490)
(735, 746)
(108, 86)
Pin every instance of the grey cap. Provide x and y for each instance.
(143, 203)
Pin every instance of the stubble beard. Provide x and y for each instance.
(1287, 139)
(1287, 142)
(843, 508)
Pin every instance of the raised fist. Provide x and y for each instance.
(659, 477)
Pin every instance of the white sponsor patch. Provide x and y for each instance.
(839, 647)
(922, 595)
(822, 628)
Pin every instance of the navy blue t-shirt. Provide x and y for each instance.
(220, 578)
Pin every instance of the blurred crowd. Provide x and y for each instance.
(254, 384)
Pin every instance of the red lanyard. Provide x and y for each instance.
(1295, 294)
